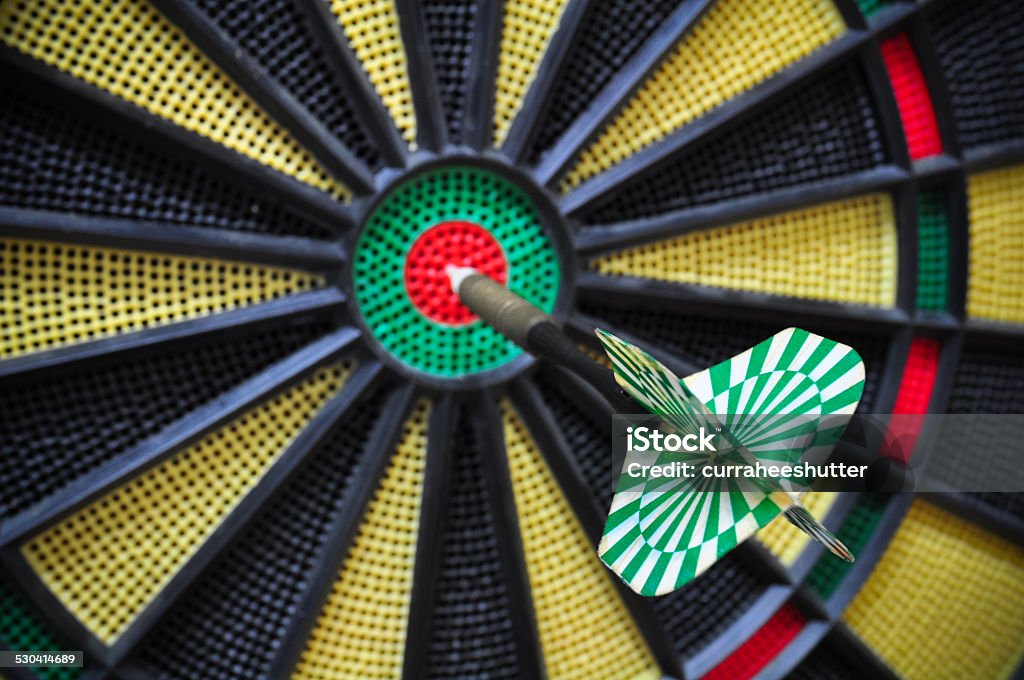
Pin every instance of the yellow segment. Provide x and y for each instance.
(129, 49)
(58, 294)
(944, 601)
(735, 46)
(529, 26)
(585, 630)
(996, 283)
(108, 561)
(783, 539)
(372, 29)
(360, 633)
(844, 252)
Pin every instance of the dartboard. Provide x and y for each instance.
(247, 430)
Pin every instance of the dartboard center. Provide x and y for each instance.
(467, 215)
(459, 243)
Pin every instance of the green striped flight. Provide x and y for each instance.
(783, 401)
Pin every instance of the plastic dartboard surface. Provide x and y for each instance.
(246, 431)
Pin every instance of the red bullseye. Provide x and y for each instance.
(462, 244)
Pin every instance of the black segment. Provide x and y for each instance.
(232, 622)
(588, 441)
(696, 615)
(1003, 503)
(51, 158)
(450, 28)
(823, 129)
(824, 664)
(471, 623)
(58, 429)
(988, 381)
(980, 47)
(608, 37)
(275, 34)
(704, 341)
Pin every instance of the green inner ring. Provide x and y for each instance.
(440, 195)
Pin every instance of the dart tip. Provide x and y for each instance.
(456, 275)
(805, 521)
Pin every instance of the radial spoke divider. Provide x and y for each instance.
(540, 92)
(489, 432)
(589, 124)
(588, 398)
(999, 156)
(478, 110)
(997, 333)
(177, 436)
(269, 94)
(323, 302)
(372, 465)
(690, 298)
(429, 546)
(809, 605)
(431, 127)
(366, 377)
(156, 132)
(596, 239)
(294, 252)
(856, 43)
(1001, 524)
(368, 106)
(937, 167)
(544, 430)
(609, 182)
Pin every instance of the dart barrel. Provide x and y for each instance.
(248, 431)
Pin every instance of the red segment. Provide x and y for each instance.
(463, 244)
(912, 400)
(762, 647)
(912, 97)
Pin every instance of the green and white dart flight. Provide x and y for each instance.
(783, 401)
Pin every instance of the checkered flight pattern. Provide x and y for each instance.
(782, 401)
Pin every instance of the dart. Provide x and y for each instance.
(656, 552)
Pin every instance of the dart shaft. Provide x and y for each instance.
(503, 310)
(538, 333)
